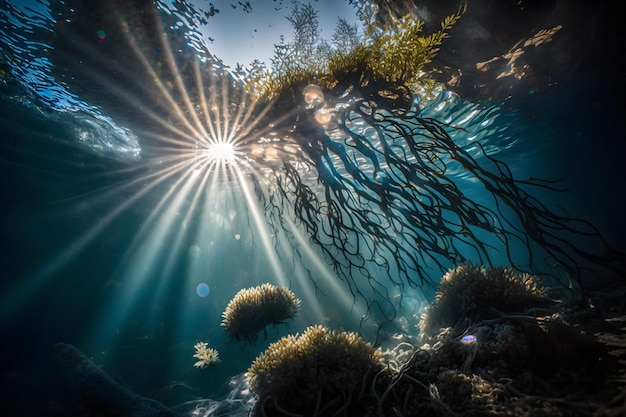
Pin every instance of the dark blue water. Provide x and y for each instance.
(87, 260)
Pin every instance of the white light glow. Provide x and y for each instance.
(220, 152)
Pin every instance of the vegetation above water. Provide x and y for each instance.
(398, 54)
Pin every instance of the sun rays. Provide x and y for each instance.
(209, 158)
(191, 210)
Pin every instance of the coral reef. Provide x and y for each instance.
(562, 359)
(494, 344)
(252, 309)
(548, 364)
(507, 350)
(472, 293)
(319, 372)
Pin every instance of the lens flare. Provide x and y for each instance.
(313, 95)
(323, 116)
(203, 290)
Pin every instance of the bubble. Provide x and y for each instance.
(237, 236)
(313, 94)
(323, 116)
(194, 250)
(468, 339)
(203, 289)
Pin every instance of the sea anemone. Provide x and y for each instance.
(317, 370)
(254, 308)
(474, 293)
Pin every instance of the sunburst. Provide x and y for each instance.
(209, 156)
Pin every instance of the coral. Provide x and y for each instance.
(251, 309)
(512, 356)
(206, 355)
(474, 293)
(314, 372)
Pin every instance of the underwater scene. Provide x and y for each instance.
(312, 209)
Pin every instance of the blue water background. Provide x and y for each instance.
(60, 156)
